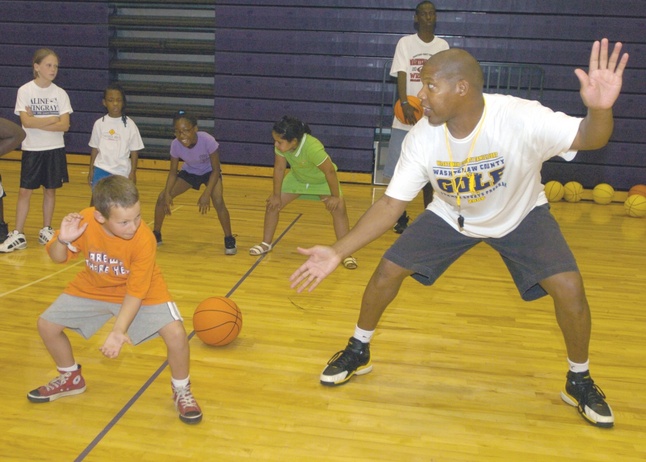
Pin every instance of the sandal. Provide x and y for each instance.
(260, 249)
(350, 262)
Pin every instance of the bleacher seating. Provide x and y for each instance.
(253, 61)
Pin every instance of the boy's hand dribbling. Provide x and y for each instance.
(112, 346)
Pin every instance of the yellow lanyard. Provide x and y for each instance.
(465, 163)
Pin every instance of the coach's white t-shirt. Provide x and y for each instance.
(501, 182)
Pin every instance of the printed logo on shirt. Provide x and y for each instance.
(475, 180)
(44, 106)
(415, 67)
(101, 263)
(111, 135)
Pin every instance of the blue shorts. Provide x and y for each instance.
(534, 251)
(98, 175)
(43, 168)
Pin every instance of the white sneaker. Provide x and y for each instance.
(45, 235)
(14, 241)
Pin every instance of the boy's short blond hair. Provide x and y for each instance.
(114, 191)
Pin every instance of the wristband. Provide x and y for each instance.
(403, 102)
(67, 244)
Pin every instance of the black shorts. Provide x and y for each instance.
(44, 168)
(534, 251)
(195, 180)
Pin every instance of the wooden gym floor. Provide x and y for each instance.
(463, 371)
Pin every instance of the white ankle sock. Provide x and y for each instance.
(180, 383)
(363, 335)
(73, 368)
(579, 367)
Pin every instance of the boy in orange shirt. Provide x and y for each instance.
(121, 280)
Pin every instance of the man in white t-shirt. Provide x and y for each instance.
(483, 156)
(411, 53)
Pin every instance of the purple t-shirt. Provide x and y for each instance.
(197, 160)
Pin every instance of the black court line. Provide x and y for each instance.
(156, 374)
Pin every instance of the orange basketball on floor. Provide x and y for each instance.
(217, 321)
(638, 189)
(413, 101)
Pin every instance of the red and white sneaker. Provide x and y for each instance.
(189, 411)
(66, 384)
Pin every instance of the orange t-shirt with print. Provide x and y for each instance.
(115, 267)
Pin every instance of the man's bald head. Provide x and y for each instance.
(456, 64)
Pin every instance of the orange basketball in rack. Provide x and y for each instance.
(638, 189)
(415, 102)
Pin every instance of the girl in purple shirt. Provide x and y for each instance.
(201, 166)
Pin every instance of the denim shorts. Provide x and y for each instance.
(534, 251)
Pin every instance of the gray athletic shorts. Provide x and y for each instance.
(534, 251)
(86, 316)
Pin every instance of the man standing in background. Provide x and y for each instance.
(410, 55)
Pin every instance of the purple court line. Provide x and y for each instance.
(97, 439)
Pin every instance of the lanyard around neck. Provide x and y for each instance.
(471, 177)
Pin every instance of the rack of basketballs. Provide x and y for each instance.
(603, 193)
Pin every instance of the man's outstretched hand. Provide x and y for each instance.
(600, 87)
(321, 262)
